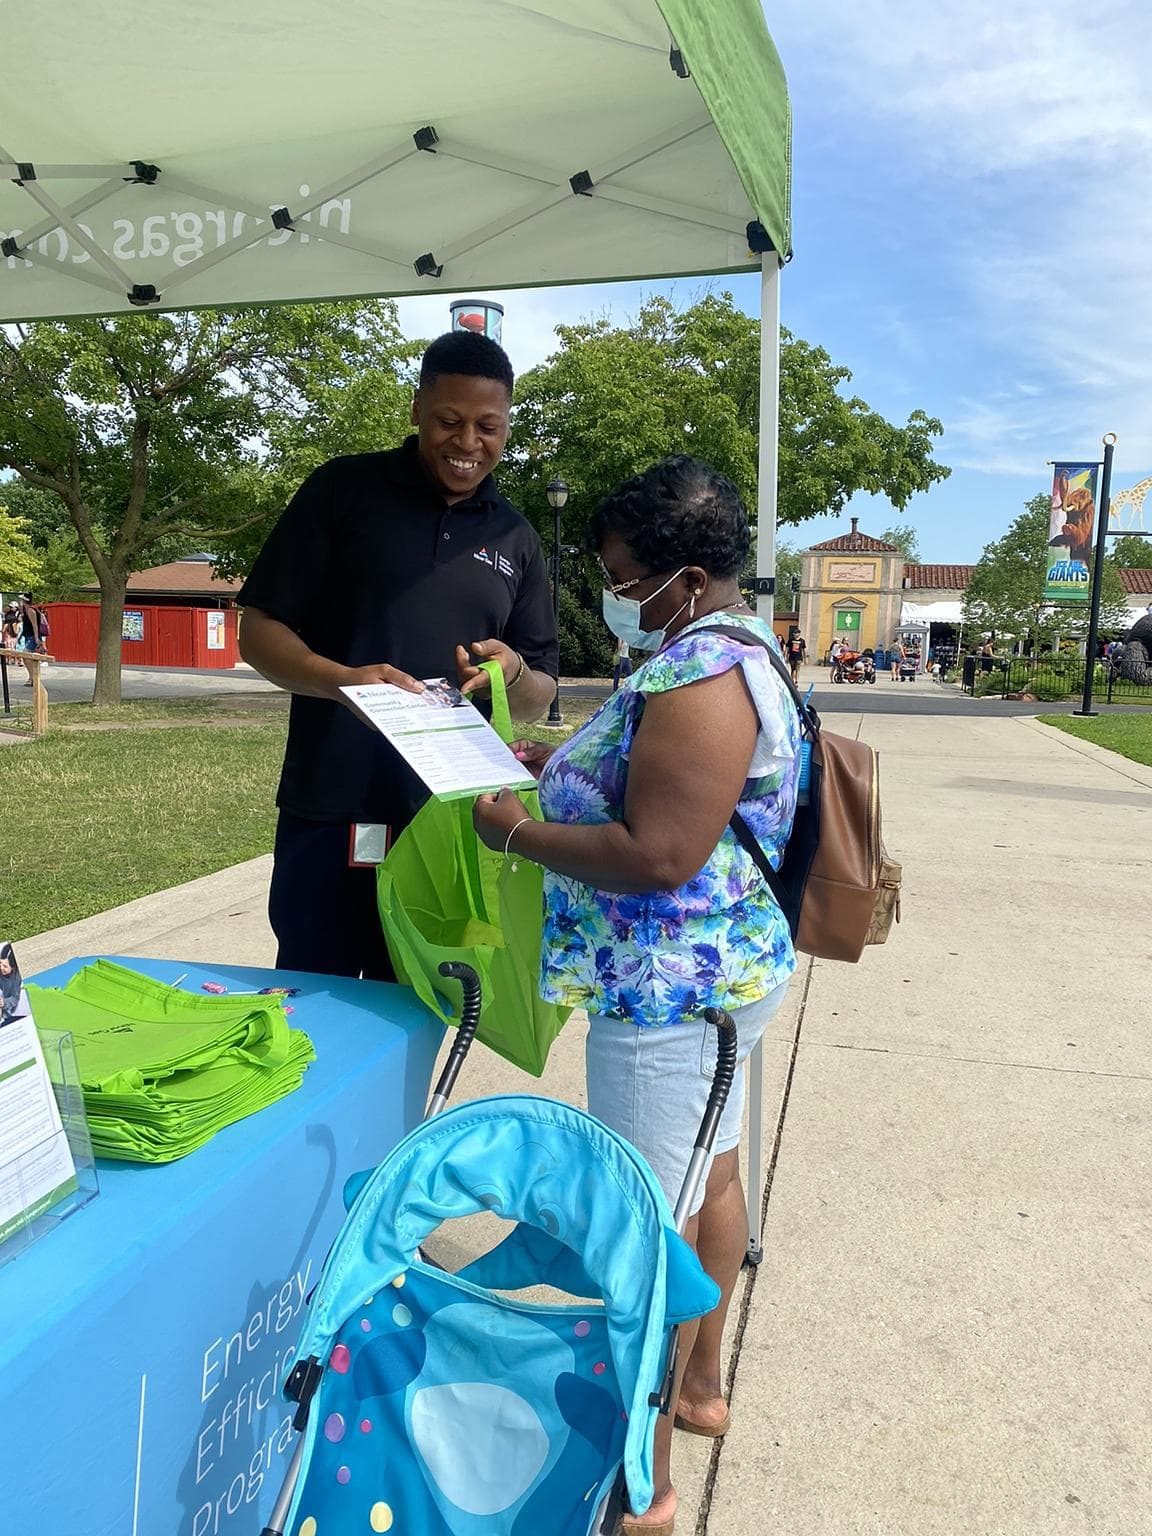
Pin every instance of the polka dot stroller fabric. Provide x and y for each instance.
(446, 1409)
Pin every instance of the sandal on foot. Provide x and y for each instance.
(630, 1527)
(706, 1431)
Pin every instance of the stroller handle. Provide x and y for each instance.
(465, 1032)
(722, 1080)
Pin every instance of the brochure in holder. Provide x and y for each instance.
(47, 1171)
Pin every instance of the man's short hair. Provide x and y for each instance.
(467, 353)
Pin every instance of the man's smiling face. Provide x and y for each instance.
(463, 426)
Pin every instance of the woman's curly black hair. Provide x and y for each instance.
(680, 512)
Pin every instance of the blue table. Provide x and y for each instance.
(142, 1342)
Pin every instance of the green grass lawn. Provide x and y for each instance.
(117, 803)
(97, 817)
(1130, 735)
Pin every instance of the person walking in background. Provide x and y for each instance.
(896, 655)
(389, 567)
(11, 984)
(12, 627)
(654, 910)
(987, 656)
(797, 653)
(31, 639)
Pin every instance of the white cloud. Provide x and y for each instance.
(1026, 131)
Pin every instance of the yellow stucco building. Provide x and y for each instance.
(851, 589)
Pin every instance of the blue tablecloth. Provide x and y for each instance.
(142, 1342)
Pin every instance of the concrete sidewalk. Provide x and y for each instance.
(950, 1331)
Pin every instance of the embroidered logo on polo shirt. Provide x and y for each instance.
(496, 560)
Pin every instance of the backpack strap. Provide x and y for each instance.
(751, 846)
(809, 721)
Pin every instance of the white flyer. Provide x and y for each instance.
(36, 1164)
(441, 735)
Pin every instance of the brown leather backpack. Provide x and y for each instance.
(836, 885)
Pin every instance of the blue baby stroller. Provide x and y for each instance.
(430, 1405)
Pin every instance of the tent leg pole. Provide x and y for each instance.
(755, 1086)
(768, 470)
(769, 447)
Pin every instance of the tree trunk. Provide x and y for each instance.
(113, 586)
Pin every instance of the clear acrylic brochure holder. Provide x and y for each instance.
(37, 1218)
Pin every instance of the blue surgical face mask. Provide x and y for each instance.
(622, 616)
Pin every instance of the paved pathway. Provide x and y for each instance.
(950, 1332)
(69, 684)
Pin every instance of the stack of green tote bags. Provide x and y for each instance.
(164, 1070)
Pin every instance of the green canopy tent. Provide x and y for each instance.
(208, 152)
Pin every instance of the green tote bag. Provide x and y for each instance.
(444, 896)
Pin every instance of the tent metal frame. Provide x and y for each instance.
(588, 182)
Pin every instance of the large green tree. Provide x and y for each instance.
(64, 567)
(789, 565)
(19, 565)
(906, 539)
(1006, 593)
(1132, 551)
(614, 398)
(160, 431)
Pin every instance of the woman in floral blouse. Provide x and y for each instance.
(653, 910)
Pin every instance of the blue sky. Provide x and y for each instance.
(973, 228)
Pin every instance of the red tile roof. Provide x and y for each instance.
(939, 578)
(855, 542)
(955, 578)
(180, 576)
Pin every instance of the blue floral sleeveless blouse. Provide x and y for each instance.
(719, 941)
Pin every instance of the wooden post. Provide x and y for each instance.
(33, 660)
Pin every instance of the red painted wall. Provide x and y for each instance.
(172, 637)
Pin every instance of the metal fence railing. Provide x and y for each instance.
(1047, 679)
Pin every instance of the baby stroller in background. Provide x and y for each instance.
(854, 667)
(910, 664)
(429, 1402)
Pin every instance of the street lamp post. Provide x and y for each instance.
(1097, 576)
(557, 493)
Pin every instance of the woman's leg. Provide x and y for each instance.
(720, 1236)
(664, 1500)
(722, 1243)
(651, 1086)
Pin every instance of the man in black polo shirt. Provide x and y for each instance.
(389, 568)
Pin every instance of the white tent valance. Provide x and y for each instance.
(931, 613)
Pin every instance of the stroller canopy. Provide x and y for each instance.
(448, 1361)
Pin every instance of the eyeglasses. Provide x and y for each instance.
(626, 586)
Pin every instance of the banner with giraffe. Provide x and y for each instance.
(1071, 530)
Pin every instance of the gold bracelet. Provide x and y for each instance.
(520, 674)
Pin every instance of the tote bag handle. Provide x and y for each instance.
(501, 714)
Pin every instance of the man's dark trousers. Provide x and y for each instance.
(322, 912)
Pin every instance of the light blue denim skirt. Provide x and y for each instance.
(651, 1085)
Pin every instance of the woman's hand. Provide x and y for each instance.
(533, 754)
(494, 817)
